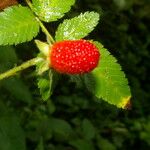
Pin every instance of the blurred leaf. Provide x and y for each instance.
(4, 110)
(110, 82)
(18, 89)
(104, 144)
(89, 81)
(51, 107)
(77, 27)
(17, 25)
(51, 10)
(8, 59)
(48, 128)
(44, 129)
(40, 145)
(120, 3)
(76, 79)
(14, 85)
(145, 134)
(123, 4)
(88, 129)
(8, 55)
(11, 134)
(82, 144)
(38, 128)
(62, 129)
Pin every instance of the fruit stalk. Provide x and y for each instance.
(23, 66)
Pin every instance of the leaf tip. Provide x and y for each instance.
(126, 103)
(128, 106)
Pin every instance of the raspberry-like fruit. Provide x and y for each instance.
(74, 56)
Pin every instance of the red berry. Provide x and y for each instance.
(74, 56)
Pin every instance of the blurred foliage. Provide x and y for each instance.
(73, 119)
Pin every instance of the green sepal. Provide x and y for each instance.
(43, 47)
(45, 84)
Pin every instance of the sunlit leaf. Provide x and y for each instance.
(51, 10)
(110, 82)
(77, 27)
(17, 25)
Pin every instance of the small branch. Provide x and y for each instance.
(29, 3)
(15, 70)
(49, 37)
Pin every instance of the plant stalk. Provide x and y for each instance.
(23, 66)
(49, 37)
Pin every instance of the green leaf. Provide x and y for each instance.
(77, 80)
(40, 145)
(17, 25)
(45, 85)
(61, 129)
(8, 58)
(51, 10)
(78, 27)
(18, 89)
(88, 81)
(15, 86)
(110, 82)
(88, 129)
(39, 128)
(11, 134)
(8, 55)
(105, 144)
(81, 144)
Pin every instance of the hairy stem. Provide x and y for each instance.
(29, 3)
(15, 70)
(49, 37)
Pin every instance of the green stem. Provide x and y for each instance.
(49, 37)
(29, 3)
(25, 65)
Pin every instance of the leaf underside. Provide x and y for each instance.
(110, 82)
(77, 27)
(17, 25)
(51, 10)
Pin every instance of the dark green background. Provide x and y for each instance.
(73, 119)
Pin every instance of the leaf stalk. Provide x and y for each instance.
(49, 37)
